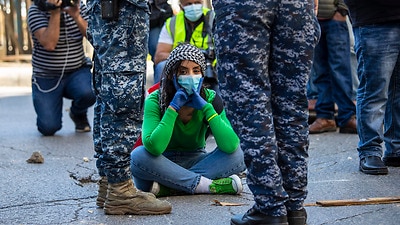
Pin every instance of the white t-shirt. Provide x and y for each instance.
(165, 37)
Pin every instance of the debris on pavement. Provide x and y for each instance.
(36, 157)
(218, 203)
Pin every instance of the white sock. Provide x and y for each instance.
(203, 186)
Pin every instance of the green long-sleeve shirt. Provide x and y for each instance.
(168, 132)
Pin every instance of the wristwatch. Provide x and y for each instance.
(342, 12)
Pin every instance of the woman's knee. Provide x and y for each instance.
(237, 161)
(139, 158)
(137, 154)
(238, 155)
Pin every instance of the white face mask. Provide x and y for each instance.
(193, 12)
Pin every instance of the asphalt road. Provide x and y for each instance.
(62, 190)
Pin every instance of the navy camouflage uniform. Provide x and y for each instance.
(264, 50)
(120, 51)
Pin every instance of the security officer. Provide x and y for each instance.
(264, 50)
(118, 32)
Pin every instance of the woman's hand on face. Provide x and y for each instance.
(196, 101)
(175, 82)
(180, 99)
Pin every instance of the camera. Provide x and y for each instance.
(45, 6)
(210, 76)
(66, 3)
(210, 56)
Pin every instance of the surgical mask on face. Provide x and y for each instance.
(189, 82)
(193, 12)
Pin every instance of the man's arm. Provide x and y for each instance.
(316, 7)
(48, 36)
(162, 52)
(75, 13)
(165, 44)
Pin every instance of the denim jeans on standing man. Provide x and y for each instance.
(378, 94)
(332, 69)
(158, 69)
(154, 33)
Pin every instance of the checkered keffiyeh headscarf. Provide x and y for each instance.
(185, 52)
(180, 53)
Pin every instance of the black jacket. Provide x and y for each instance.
(368, 12)
(327, 8)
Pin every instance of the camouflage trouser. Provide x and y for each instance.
(264, 51)
(119, 78)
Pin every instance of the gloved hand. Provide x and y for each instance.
(195, 100)
(179, 100)
(175, 82)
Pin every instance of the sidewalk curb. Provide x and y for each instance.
(19, 74)
(15, 74)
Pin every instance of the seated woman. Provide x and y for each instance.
(176, 120)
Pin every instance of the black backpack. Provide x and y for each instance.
(160, 11)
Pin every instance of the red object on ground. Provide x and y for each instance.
(151, 89)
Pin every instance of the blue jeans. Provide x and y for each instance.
(333, 72)
(48, 97)
(158, 69)
(378, 94)
(182, 170)
(312, 92)
(153, 40)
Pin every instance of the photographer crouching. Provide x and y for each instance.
(60, 68)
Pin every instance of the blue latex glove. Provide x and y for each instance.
(175, 82)
(179, 100)
(195, 100)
